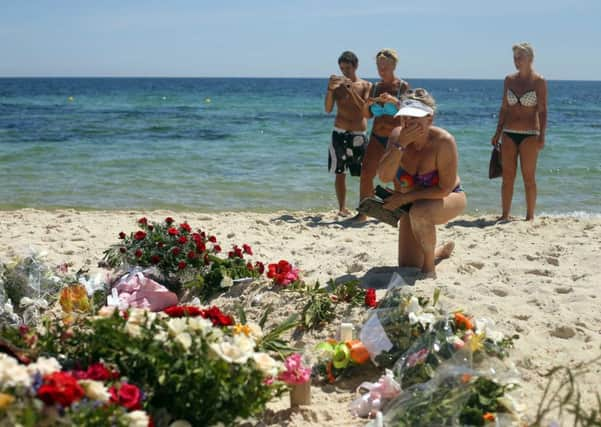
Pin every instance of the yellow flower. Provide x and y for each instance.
(5, 400)
(74, 297)
(476, 342)
(242, 329)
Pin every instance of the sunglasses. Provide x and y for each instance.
(419, 92)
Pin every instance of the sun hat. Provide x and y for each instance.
(414, 108)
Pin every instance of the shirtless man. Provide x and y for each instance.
(349, 137)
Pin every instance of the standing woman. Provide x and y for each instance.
(383, 104)
(522, 125)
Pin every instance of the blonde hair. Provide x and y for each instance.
(389, 54)
(524, 47)
(420, 94)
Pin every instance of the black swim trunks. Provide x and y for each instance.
(346, 151)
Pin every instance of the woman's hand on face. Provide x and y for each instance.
(395, 200)
(410, 133)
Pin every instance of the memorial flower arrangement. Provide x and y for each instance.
(199, 354)
(44, 393)
(183, 256)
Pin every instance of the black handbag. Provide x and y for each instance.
(495, 167)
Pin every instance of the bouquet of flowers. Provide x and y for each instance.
(454, 396)
(182, 255)
(337, 358)
(43, 393)
(199, 354)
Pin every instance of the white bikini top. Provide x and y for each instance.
(528, 99)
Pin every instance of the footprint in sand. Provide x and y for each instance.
(539, 272)
(522, 316)
(476, 264)
(564, 332)
(553, 261)
(565, 290)
(354, 268)
(500, 292)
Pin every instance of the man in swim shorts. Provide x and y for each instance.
(349, 137)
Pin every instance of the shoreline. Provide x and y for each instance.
(538, 280)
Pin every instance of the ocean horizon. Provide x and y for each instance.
(257, 144)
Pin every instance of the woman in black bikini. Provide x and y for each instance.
(522, 125)
(382, 105)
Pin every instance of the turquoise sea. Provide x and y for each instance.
(217, 144)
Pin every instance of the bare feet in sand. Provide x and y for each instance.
(344, 212)
(445, 250)
(359, 218)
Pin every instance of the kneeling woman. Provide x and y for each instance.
(421, 160)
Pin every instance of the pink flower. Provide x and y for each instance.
(282, 273)
(296, 372)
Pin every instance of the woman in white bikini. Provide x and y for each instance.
(522, 125)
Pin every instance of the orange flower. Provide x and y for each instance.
(463, 321)
(359, 353)
(489, 417)
(74, 297)
(465, 378)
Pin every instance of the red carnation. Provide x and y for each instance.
(169, 220)
(97, 372)
(143, 221)
(138, 253)
(122, 250)
(121, 235)
(238, 252)
(173, 231)
(151, 227)
(196, 237)
(155, 259)
(217, 317)
(185, 226)
(217, 248)
(182, 240)
(182, 310)
(201, 247)
(212, 239)
(191, 255)
(61, 388)
(140, 235)
(247, 249)
(260, 267)
(231, 254)
(175, 251)
(181, 265)
(249, 266)
(370, 298)
(283, 273)
(129, 396)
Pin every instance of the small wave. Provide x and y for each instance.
(573, 214)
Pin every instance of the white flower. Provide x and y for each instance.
(200, 324)
(161, 336)
(413, 306)
(487, 327)
(13, 374)
(180, 423)
(133, 329)
(137, 316)
(137, 419)
(226, 282)
(267, 364)
(106, 311)
(416, 314)
(237, 351)
(177, 325)
(255, 331)
(44, 366)
(95, 390)
(184, 339)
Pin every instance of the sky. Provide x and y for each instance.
(287, 38)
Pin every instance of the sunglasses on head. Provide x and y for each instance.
(420, 93)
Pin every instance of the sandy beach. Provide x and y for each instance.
(539, 280)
